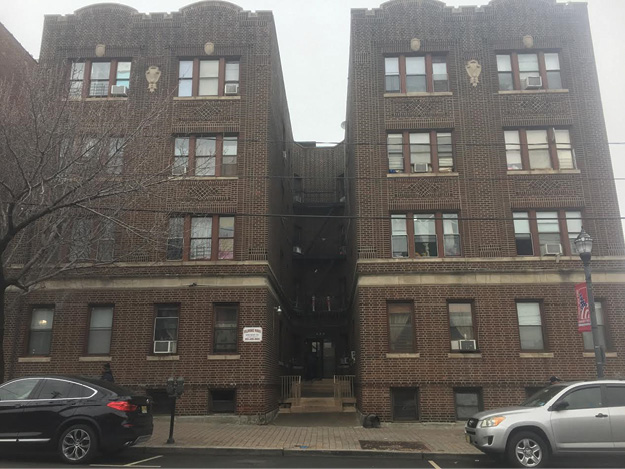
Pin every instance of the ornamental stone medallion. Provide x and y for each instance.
(152, 74)
(100, 50)
(474, 69)
(209, 48)
(528, 41)
(415, 44)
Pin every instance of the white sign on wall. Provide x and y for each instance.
(252, 334)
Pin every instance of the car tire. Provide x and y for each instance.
(77, 444)
(527, 449)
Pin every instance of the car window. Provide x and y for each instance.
(55, 389)
(543, 396)
(78, 390)
(18, 390)
(616, 396)
(586, 398)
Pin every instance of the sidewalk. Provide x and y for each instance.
(209, 435)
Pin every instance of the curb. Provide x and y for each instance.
(221, 451)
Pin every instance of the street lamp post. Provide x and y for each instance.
(583, 244)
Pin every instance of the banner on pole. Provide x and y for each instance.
(583, 308)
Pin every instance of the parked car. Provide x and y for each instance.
(561, 418)
(76, 416)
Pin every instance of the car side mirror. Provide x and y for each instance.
(560, 405)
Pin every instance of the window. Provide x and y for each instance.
(55, 389)
(585, 398)
(401, 332)
(214, 77)
(94, 78)
(18, 390)
(615, 395)
(91, 238)
(529, 71)
(100, 330)
(420, 74)
(103, 154)
(589, 343)
(461, 327)
(539, 149)
(546, 233)
(405, 403)
(40, 339)
(196, 241)
(468, 402)
(115, 159)
(530, 326)
(420, 152)
(222, 401)
(166, 329)
(106, 241)
(210, 155)
(80, 247)
(225, 340)
(429, 235)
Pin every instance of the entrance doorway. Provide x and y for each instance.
(320, 359)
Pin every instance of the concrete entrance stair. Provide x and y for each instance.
(316, 405)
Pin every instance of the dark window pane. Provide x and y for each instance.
(18, 390)
(223, 401)
(416, 83)
(55, 389)
(616, 396)
(555, 80)
(392, 83)
(505, 82)
(78, 390)
(405, 404)
(524, 245)
(587, 398)
(225, 329)
(467, 404)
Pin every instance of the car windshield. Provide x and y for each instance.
(543, 396)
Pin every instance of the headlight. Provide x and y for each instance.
(492, 421)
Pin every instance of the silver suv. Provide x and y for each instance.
(562, 418)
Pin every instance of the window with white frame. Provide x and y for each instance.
(530, 325)
(100, 330)
(166, 329)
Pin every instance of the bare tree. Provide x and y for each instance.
(71, 172)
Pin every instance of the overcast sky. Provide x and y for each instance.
(314, 43)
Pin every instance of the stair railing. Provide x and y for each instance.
(291, 388)
(343, 387)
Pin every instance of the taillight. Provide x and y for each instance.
(124, 406)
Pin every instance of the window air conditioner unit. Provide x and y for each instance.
(532, 83)
(231, 88)
(420, 167)
(117, 90)
(467, 345)
(550, 249)
(165, 346)
(297, 250)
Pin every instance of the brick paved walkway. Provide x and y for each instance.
(445, 438)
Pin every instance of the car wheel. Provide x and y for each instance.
(77, 444)
(527, 449)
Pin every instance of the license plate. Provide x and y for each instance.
(144, 409)
(468, 438)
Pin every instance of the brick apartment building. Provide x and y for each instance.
(429, 254)
(15, 60)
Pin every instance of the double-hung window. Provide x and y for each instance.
(225, 329)
(546, 232)
(415, 74)
(211, 77)
(200, 237)
(94, 79)
(100, 330)
(420, 152)
(40, 338)
(401, 331)
(166, 328)
(526, 71)
(461, 327)
(530, 325)
(539, 149)
(425, 235)
(205, 155)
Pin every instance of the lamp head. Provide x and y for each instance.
(583, 243)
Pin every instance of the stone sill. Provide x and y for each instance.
(202, 178)
(418, 94)
(203, 98)
(464, 355)
(517, 172)
(536, 355)
(533, 91)
(420, 175)
(96, 358)
(607, 355)
(33, 360)
(164, 358)
(224, 357)
(482, 259)
(403, 355)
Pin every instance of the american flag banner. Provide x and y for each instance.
(583, 308)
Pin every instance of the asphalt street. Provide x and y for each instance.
(247, 459)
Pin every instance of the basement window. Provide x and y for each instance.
(222, 401)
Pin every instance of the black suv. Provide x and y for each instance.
(76, 416)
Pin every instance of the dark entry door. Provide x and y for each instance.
(314, 359)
